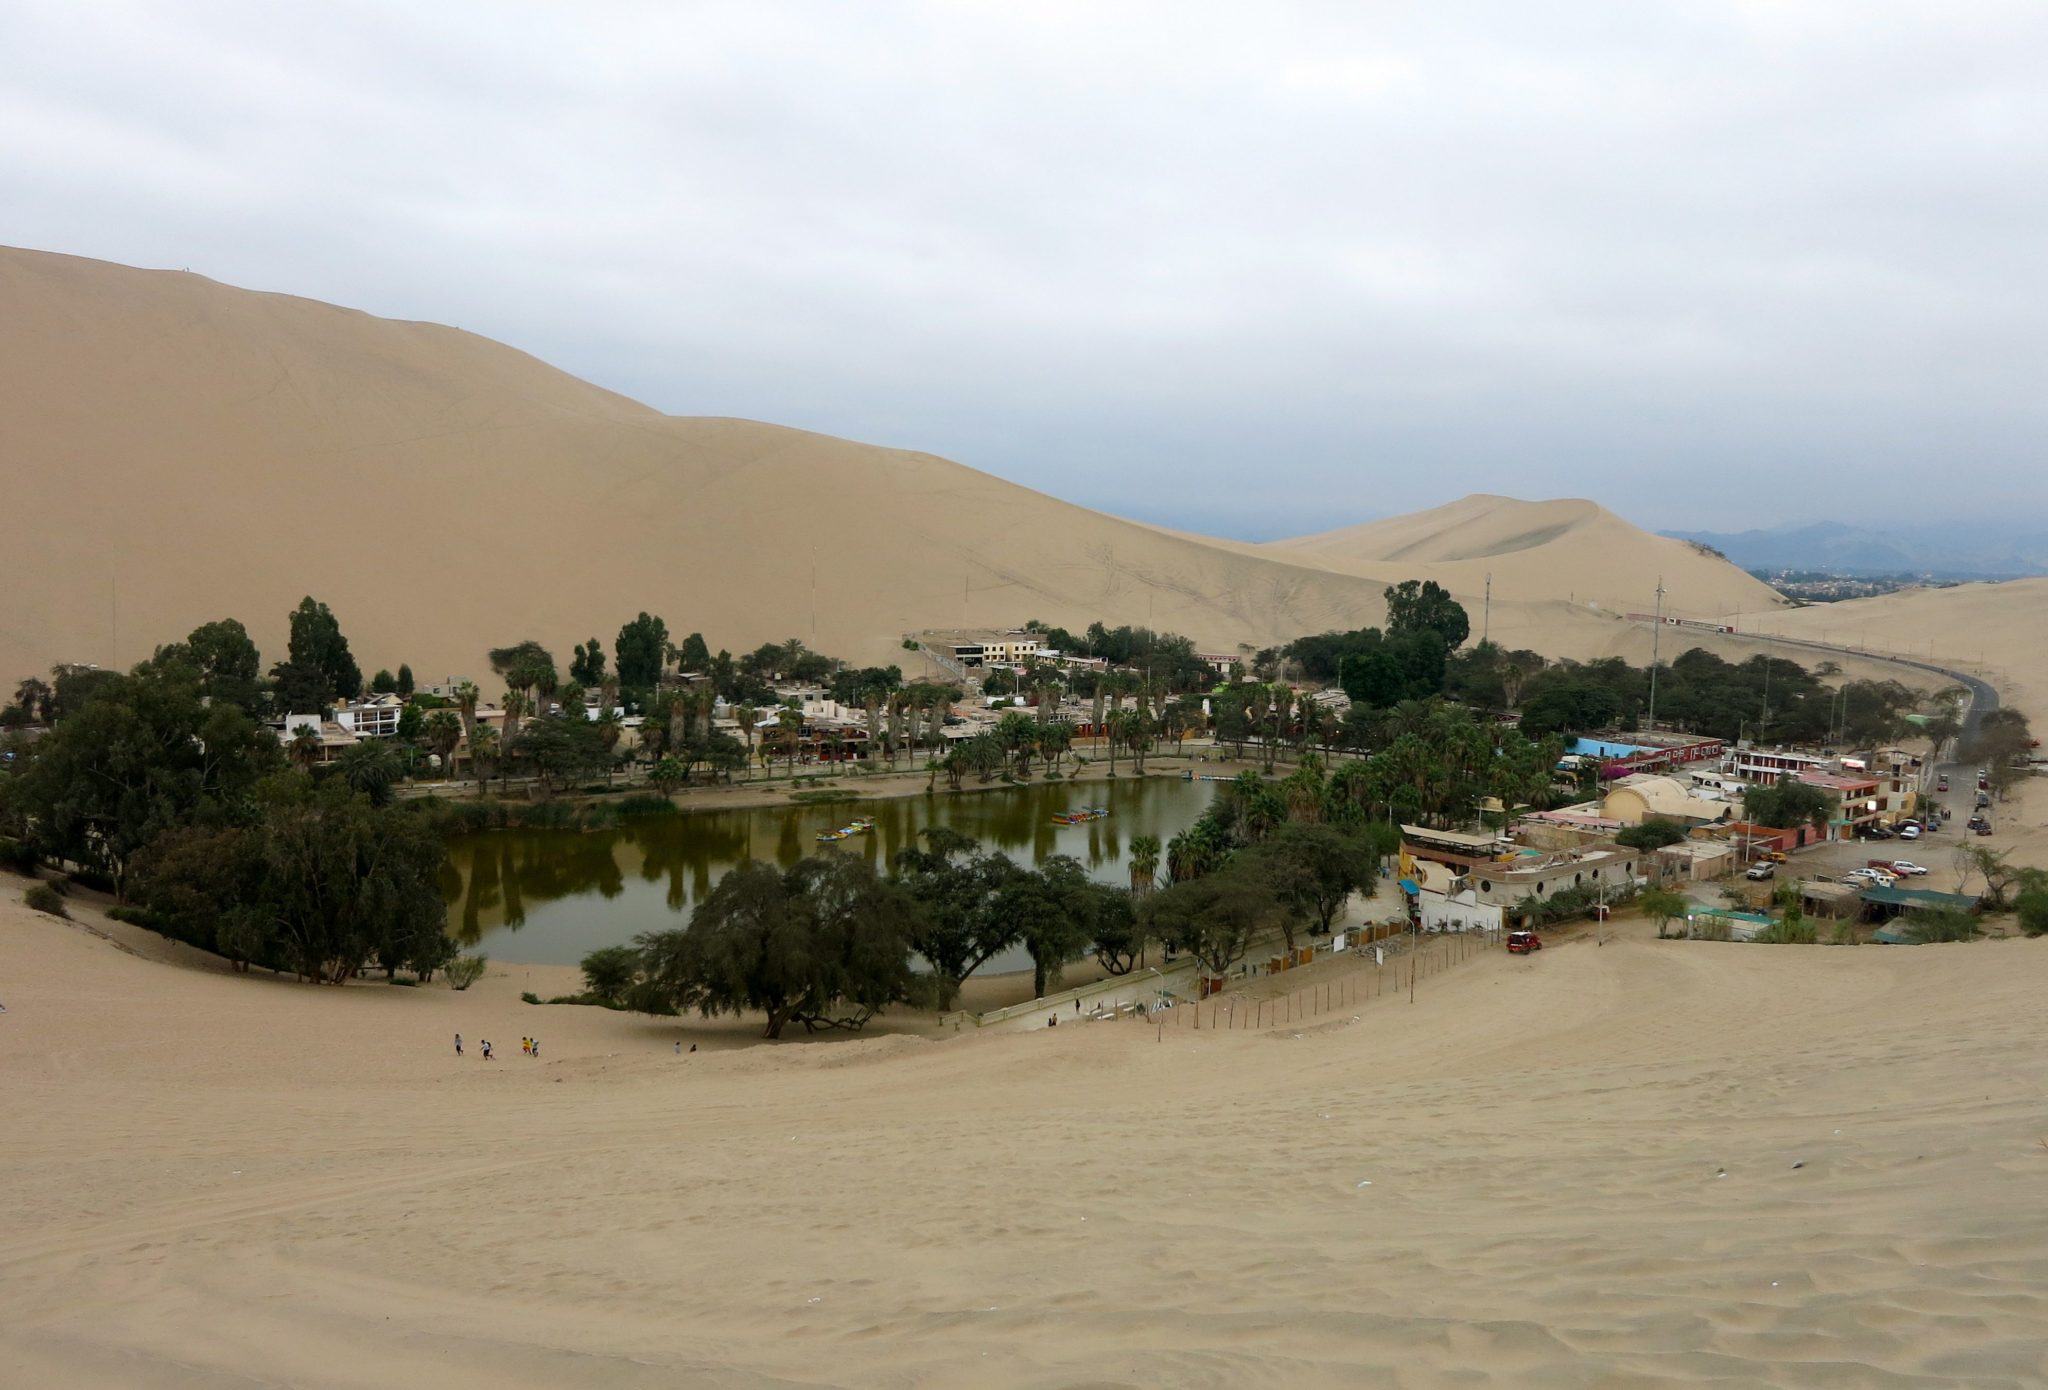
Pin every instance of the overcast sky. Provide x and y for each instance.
(1254, 269)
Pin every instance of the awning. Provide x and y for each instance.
(1410, 887)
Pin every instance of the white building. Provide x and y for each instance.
(375, 717)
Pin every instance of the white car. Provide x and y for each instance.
(1876, 876)
(1907, 866)
(1909, 832)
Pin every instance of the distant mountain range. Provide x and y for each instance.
(1950, 551)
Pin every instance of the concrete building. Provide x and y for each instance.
(373, 717)
(1638, 798)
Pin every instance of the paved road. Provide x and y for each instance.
(1962, 777)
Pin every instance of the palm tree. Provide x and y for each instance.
(465, 704)
(484, 744)
(370, 768)
(1145, 851)
(791, 723)
(36, 697)
(442, 731)
(305, 746)
(1053, 741)
(608, 734)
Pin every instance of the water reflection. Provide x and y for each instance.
(550, 896)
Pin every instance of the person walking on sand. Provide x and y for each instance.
(458, 1044)
(535, 1049)
(486, 1046)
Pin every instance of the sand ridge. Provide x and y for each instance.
(218, 1178)
(194, 451)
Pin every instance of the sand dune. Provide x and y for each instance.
(218, 1180)
(1566, 548)
(2000, 630)
(189, 450)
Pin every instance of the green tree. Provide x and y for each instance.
(693, 655)
(1315, 869)
(586, 668)
(319, 882)
(641, 646)
(404, 685)
(143, 755)
(371, 768)
(317, 647)
(1145, 853)
(562, 749)
(610, 971)
(383, 683)
(1424, 605)
(443, 730)
(1662, 906)
(1654, 833)
(959, 927)
(230, 669)
(1053, 910)
(824, 944)
(1214, 918)
(1787, 803)
(36, 698)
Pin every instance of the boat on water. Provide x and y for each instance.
(1086, 813)
(860, 826)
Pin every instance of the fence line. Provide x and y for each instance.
(1353, 990)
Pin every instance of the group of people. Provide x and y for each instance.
(529, 1046)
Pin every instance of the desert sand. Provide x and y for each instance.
(194, 451)
(1622, 1164)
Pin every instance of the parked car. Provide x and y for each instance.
(1983, 827)
(1521, 943)
(1941, 785)
(1760, 872)
(1908, 868)
(1876, 832)
(1909, 831)
(1878, 877)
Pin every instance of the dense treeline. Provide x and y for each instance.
(161, 784)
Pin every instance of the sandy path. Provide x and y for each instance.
(216, 1179)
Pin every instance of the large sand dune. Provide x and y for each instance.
(1631, 1164)
(1565, 548)
(177, 450)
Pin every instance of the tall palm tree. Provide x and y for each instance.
(484, 745)
(1145, 851)
(442, 731)
(465, 704)
(305, 746)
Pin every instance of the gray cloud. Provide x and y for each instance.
(1258, 273)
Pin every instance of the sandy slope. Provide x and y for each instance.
(222, 1181)
(1564, 548)
(190, 450)
(1998, 629)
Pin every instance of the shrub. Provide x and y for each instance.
(18, 856)
(1789, 931)
(1939, 924)
(465, 971)
(646, 804)
(529, 997)
(2033, 910)
(43, 898)
(1651, 834)
(610, 971)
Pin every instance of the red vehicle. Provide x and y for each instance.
(1521, 943)
(1942, 785)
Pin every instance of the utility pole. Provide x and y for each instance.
(1486, 619)
(814, 598)
(1656, 640)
